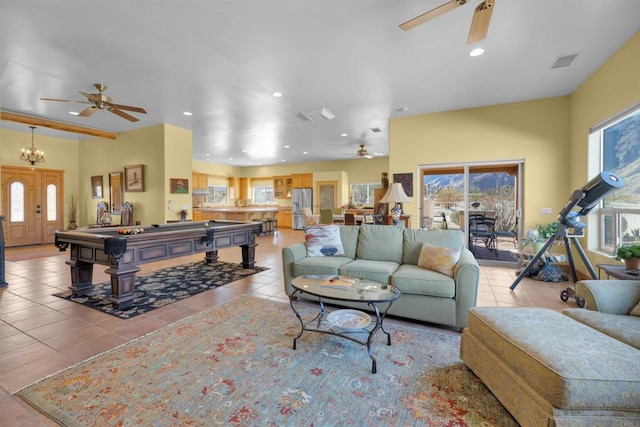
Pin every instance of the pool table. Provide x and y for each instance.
(124, 252)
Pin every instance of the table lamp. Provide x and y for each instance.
(395, 194)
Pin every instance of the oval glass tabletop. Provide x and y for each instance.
(344, 288)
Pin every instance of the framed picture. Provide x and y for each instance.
(134, 178)
(406, 179)
(96, 187)
(179, 185)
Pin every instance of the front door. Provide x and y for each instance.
(32, 205)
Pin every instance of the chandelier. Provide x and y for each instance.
(32, 155)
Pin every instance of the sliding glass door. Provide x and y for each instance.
(482, 199)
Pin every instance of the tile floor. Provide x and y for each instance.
(41, 334)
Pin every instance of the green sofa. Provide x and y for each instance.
(580, 367)
(389, 254)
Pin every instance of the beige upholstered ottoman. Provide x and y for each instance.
(548, 369)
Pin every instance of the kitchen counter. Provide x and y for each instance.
(232, 213)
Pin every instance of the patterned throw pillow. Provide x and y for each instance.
(323, 240)
(636, 310)
(437, 258)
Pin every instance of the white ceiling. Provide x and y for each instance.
(222, 59)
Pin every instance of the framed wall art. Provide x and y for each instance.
(96, 187)
(406, 179)
(134, 178)
(179, 185)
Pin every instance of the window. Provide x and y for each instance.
(363, 193)
(17, 202)
(619, 143)
(52, 207)
(217, 195)
(263, 194)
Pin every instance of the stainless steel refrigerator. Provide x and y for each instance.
(300, 198)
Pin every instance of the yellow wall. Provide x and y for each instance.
(60, 154)
(536, 131)
(177, 164)
(611, 89)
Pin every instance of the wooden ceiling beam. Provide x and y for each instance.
(66, 127)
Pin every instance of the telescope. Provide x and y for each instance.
(586, 198)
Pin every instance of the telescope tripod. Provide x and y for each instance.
(567, 238)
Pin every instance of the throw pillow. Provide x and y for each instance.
(636, 310)
(323, 240)
(437, 258)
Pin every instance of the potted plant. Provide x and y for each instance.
(538, 237)
(630, 254)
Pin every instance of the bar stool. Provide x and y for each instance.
(257, 217)
(272, 222)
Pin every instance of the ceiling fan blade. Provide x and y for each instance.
(129, 108)
(122, 114)
(88, 111)
(64, 100)
(433, 13)
(480, 22)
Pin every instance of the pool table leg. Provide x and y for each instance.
(81, 277)
(248, 255)
(122, 286)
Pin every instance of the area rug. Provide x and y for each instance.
(234, 365)
(165, 286)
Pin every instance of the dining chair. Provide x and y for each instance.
(349, 219)
(326, 216)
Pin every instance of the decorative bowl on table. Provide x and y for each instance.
(349, 320)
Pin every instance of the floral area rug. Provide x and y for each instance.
(234, 365)
(165, 286)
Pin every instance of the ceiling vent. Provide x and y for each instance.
(314, 115)
(564, 61)
(376, 130)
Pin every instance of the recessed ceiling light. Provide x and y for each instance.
(276, 94)
(305, 152)
(287, 146)
(344, 134)
(188, 113)
(476, 52)
(74, 113)
(244, 151)
(208, 154)
(282, 160)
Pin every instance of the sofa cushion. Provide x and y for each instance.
(414, 238)
(569, 364)
(319, 265)
(366, 269)
(619, 326)
(438, 258)
(323, 240)
(349, 235)
(411, 279)
(380, 243)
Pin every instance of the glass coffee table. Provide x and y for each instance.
(354, 325)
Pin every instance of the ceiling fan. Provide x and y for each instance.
(479, 23)
(100, 101)
(362, 153)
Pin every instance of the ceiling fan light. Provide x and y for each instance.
(476, 52)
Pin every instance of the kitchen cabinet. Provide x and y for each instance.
(243, 188)
(197, 215)
(282, 186)
(284, 218)
(200, 181)
(302, 180)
